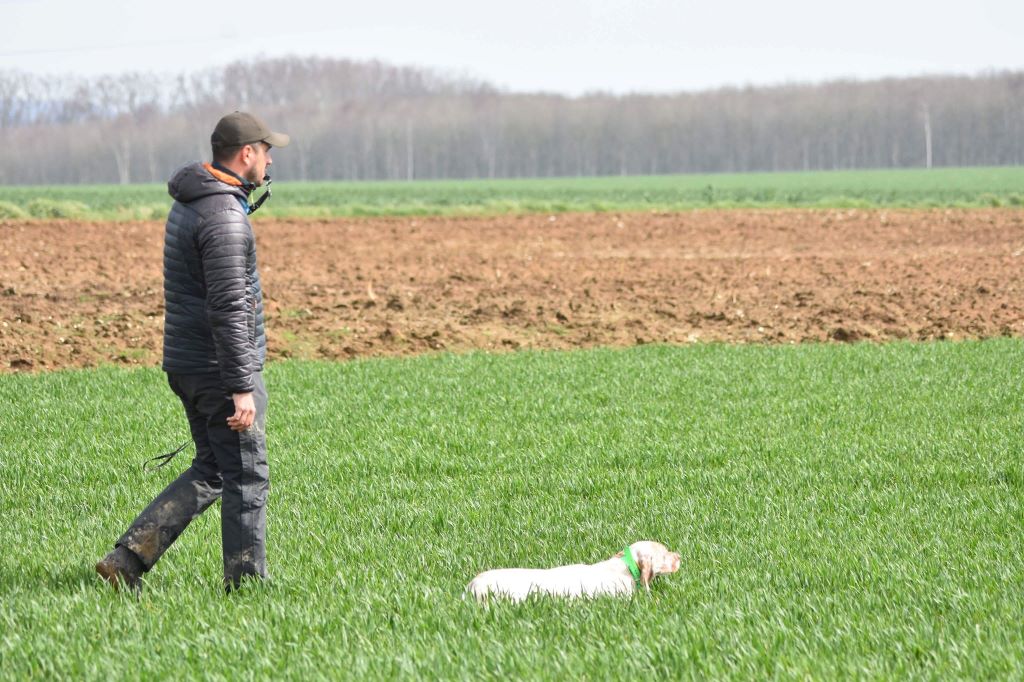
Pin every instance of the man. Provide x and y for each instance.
(214, 350)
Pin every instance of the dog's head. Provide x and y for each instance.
(652, 558)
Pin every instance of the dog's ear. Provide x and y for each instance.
(646, 567)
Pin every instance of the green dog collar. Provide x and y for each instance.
(627, 556)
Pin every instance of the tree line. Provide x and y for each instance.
(369, 120)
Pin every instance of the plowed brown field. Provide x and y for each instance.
(86, 294)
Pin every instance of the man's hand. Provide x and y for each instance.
(245, 412)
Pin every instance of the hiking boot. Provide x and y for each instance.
(122, 566)
(236, 584)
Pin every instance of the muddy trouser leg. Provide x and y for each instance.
(226, 463)
(243, 462)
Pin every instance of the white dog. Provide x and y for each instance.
(628, 570)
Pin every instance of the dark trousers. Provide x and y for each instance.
(228, 465)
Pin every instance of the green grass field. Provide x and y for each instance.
(947, 187)
(842, 511)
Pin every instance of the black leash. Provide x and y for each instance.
(166, 457)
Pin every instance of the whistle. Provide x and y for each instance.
(266, 195)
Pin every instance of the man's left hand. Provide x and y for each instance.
(245, 412)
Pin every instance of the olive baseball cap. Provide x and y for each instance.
(239, 128)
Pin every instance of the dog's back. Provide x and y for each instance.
(577, 580)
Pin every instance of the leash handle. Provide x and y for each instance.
(166, 457)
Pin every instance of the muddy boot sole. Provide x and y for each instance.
(111, 572)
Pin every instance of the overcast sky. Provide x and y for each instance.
(568, 46)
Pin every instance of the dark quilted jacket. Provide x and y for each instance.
(213, 319)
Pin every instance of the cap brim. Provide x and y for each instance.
(277, 139)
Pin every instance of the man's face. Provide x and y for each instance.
(257, 161)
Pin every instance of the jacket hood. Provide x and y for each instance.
(193, 182)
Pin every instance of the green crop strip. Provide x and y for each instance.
(841, 510)
(945, 187)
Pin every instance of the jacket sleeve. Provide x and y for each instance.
(223, 242)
